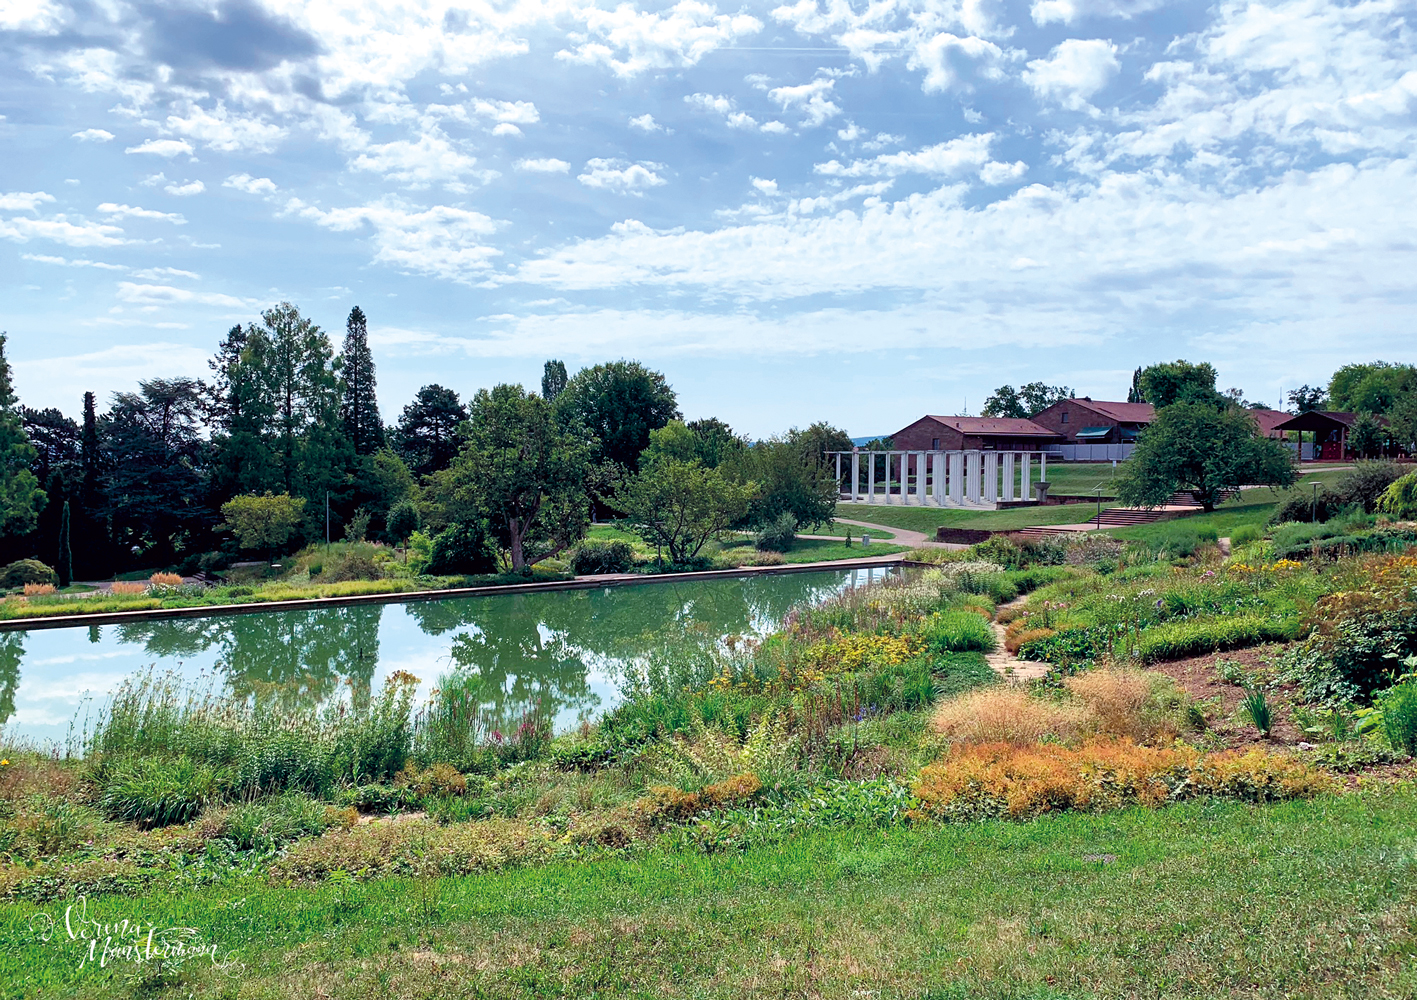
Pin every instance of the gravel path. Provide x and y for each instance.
(1006, 664)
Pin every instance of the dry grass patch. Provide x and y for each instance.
(1011, 716)
(1141, 706)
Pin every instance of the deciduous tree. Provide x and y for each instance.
(1178, 382)
(263, 522)
(678, 506)
(619, 403)
(1200, 447)
(21, 499)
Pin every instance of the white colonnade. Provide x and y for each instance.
(969, 478)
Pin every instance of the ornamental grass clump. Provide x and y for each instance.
(1010, 716)
(1139, 706)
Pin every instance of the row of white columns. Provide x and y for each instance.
(945, 478)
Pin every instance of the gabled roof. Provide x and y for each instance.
(1322, 420)
(1125, 413)
(1268, 419)
(995, 426)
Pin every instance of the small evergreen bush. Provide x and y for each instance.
(24, 571)
(593, 558)
(778, 534)
(462, 549)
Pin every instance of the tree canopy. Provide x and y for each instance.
(426, 436)
(1178, 382)
(1196, 446)
(1024, 402)
(1375, 387)
(21, 499)
(679, 505)
(619, 403)
(360, 409)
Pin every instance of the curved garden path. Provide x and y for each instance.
(1006, 664)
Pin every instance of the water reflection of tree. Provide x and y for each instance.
(299, 655)
(518, 651)
(12, 651)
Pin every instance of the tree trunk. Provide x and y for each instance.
(514, 530)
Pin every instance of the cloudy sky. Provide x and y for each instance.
(854, 211)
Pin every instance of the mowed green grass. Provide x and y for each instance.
(1204, 900)
(927, 519)
(805, 550)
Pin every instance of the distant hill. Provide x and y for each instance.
(866, 440)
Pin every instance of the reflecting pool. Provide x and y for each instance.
(564, 650)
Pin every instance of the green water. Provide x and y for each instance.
(566, 652)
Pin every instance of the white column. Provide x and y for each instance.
(838, 473)
(956, 477)
(1043, 466)
(920, 477)
(971, 476)
(870, 477)
(1023, 476)
(991, 477)
(937, 477)
(855, 476)
(1008, 476)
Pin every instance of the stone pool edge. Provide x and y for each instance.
(409, 596)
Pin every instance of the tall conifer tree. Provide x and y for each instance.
(21, 499)
(360, 411)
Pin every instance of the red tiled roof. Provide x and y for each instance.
(1268, 419)
(1126, 413)
(997, 426)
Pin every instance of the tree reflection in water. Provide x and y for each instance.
(12, 651)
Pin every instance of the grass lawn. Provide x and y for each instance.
(927, 519)
(1205, 900)
(840, 531)
(818, 550)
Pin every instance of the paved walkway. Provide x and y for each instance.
(903, 536)
(1006, 664)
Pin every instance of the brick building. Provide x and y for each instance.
(1095, 421)
(932, 433)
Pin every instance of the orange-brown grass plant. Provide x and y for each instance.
(1009, 715)
(165, 580)
(1015, 638)
(1143, 707)
(668, 804)
(124, 587)
(1000, 779)
(36, 589)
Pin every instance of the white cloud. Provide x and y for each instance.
(1071, 11)
(763, 185)
(133, 212)
(165, 295)
(811, 99)
(952, 62)
(418, 164)
(621, 176)
(995, 172)
(719, 105)
(60, 230)
(159, 273)
(163, 147)
(646, 123)
(117, 368)
(222, 130)
(40, 258)
(94, 135)
(946, 159)
(1075, 70)
(38, 16)
(546, 165)
(249, 184)
(23, 201)
(774, 128)
(185, 190)
(506, 128)
(442, 241)
(518, 112)
(629, 41)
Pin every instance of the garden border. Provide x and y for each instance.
(409, 596)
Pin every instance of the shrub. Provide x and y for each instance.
(593, 558)
(351, 562)
(24, 571)
(462, 549)
(39, 589)
(1015, 640)
(165, 580)
(1255, 776)
(1359, 638)
(664, 804)
(1366, 483)
(778, 534)
(1399, 707)
(1244, 535)
(1009, 715)
(1400, 498)
(437, 780)
(126, 588)
(1305, 505)
(1174, 640)
(415, 847)
(957, 632)
(153, 791)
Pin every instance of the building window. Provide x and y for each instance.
(934, 444)
(1065, 416)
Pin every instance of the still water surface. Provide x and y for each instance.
(567, 650)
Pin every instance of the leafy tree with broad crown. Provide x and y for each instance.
(21, 499)
(679, 505)
(360, 410)
(1366, 437)
(524, 471)
(619, 403)
(1178, 382)
(265, 522)
(1308, 398)
(1375, 387)
(1024, 402)
(1200, 447)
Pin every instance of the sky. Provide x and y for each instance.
(825, 210)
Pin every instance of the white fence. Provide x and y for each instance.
(1091, 452)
